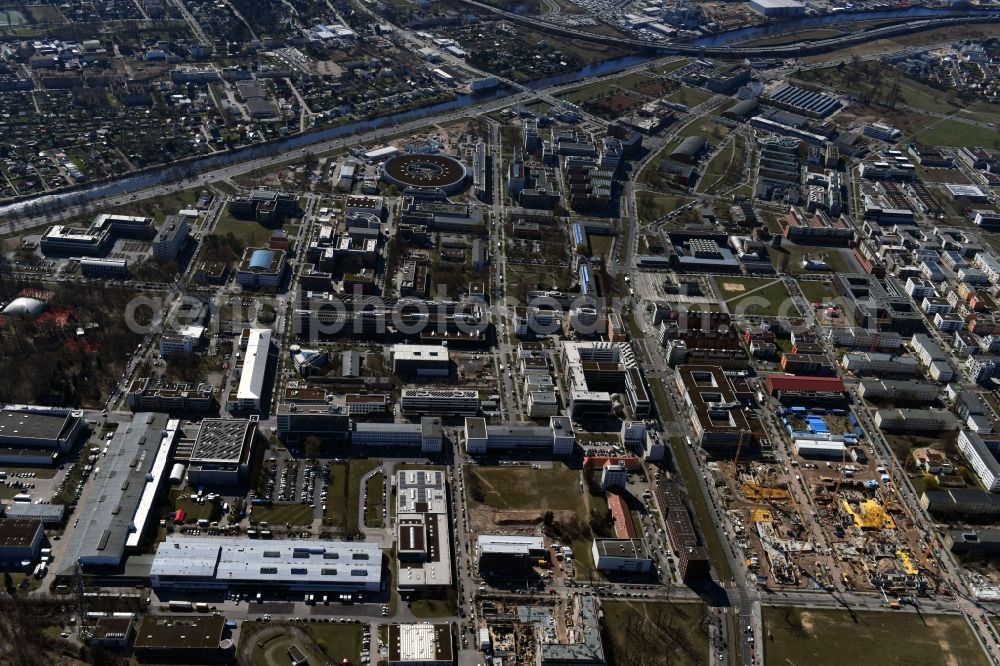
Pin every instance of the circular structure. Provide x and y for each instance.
(24, 307)
(425, 172)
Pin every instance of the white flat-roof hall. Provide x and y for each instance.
(223, 562)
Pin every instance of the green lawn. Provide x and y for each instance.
(522, 488)
(959, 134)
(652, 206)
(817, 637)
(376, 501)
(655, 633)
(338, 641)
(725, 171)
(689, 96)
(336, 494)
(249, 232)
(286, 513)
(816, 291)
(358, 468)
(788, 258)
(671, 66)
(759, 296)
(193, 512)
(430, 606)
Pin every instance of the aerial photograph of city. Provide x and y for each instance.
(500, 332)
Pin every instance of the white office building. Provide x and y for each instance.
(982, 458)
(226, 563)
(557, 437)
(457, 402)
(251, 389)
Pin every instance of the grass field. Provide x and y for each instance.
(335, 496)
(956, 133)
(536, 491)
(193, 512)
(358, 468)
(652, 633)
(522, 488)
(600, 88)
(788, 258)
(338, 641)
(689, 96)
(671, 66)
(249, 232)
(725, 171)
(376, 500)
(652, 206)
(429, 606)
(801, 636)
(756, 296)
(816, 291)
(297, 515)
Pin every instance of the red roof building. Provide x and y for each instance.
(777, 383)
(620, 515)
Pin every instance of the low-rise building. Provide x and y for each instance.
(557, 437)
(914, 420)
(20, 542)
(225, 452)
(420, 645)
(621, 556)
(261, 268)
(457, 402)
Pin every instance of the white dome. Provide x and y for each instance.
(24, 307)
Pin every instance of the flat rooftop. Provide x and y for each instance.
(224, 441)
(191, 632)
(43, 427)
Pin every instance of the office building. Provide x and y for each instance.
(908, 391)
(778, 8)
(34, 435)
(613, 475)
(240, 563)
(718, 414)
(183, 342)
(297, 421)
(49, 514)
(621, 556)
(20, 542)
(182, 638)
(914, 420)
(595, 370)
(252, 391)
(421, 360)
(428, 435)
(224, 452)
(456, 402)
(98, 238)
(366, 403)
(170, 239)
(423, 537)
(261, 268)
(144, 395)
(100, 267)
(981, 455)
(508, 556)
(557, 437)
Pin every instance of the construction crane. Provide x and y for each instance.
(739, 448)
(843, 463)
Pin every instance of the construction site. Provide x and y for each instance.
(822, 514)
(549, 630)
